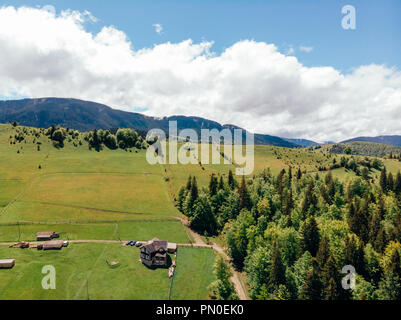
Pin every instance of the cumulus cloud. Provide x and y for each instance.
(306, 49)
(250, 84)
(158, 28)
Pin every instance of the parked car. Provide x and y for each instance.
(130, 243)
(138, 244)
(65, 244)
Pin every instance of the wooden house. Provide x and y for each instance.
(154, 253)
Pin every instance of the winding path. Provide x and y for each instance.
(236, 277)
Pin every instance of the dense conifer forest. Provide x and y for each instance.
(293, 233)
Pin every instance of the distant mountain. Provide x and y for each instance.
(86, 115)
(302, 142)
(392, 140)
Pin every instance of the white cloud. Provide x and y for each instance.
(158, 28)
(250, 84)
(306, 49)
(290, 51)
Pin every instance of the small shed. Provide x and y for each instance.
(7, 263)
(47, 235)
(56, 244)
(171, 247)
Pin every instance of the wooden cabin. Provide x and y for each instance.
(154, 253)
(46, 236)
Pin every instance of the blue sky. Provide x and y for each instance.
(285, 68)
(285, 23)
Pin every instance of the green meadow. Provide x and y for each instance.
(193, 274)
(111, 195)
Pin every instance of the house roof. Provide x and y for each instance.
(56, 244)
(45, 234)
(156, 245)
(7, 260)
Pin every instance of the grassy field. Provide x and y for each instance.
(193, 274)
(79, 263)
(137, 230)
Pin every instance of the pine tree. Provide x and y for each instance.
(213, 185)
(381, 240)
(382, 208)
(289, 176)
(193, 195)
(323, 253)
(189, 183)
(288, 202)
(331, 279)
(391, 284)
(279, 183)
(397, 184)
(181, 198)
(231, 181)
(358, 222)
(277, 269)
(383, 179)
(310, 238)
(365, 174)
(313, 287)
(374, 227)
(310, 199)
(96, 140)
(299, 174)
(354, 254)
(390, 182)
(221, 183)
(244, 198)
(331, 190)
(289, 222)
(331, 291)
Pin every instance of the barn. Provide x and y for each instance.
(154, 253)
(53, 245)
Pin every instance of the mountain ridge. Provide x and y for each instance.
(87, 115)
(394, 140)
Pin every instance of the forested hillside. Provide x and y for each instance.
(293, 233)
(364, 149)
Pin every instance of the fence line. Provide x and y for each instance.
(84, 222)
(172, 278)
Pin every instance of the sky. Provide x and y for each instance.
(285, 68)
